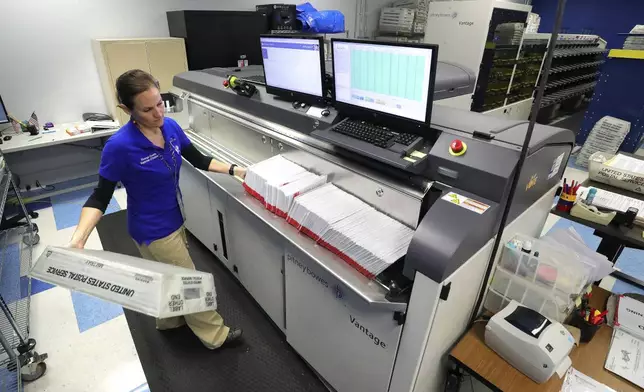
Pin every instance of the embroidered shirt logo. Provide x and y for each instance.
(149, 158)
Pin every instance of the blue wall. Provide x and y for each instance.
(605, 18)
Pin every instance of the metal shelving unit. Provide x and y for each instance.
(573, 74)
(18, 360)
(566, 68)
(565, 94)
(563, 82)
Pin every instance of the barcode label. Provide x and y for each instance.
(191, 293)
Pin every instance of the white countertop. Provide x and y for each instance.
(24, 141)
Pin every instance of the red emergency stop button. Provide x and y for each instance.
(226, 83)
(457, 148)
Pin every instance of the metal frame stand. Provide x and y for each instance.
(18, 360)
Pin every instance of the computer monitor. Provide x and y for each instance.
(389, 83)
(4, 118)
(294, 67)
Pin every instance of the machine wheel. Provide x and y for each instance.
(33, 241)
(33, 372)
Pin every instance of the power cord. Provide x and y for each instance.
(45, 188)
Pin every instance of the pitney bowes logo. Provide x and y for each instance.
(452, 15)
(339, 294)
(307, 271)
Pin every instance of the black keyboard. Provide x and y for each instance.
(259, 79)
(373, 134)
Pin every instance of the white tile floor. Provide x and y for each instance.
(103, 357)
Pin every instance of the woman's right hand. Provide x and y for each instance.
(76, 243)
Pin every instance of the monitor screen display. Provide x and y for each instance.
(293, 64)
(392, 79)
(3, 113)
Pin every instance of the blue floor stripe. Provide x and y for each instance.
(585, 232)
(37, 286)
(67, 207)
(621, 287)
(91, 311)
(142, 388)
(631, 262)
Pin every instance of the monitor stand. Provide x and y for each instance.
(314, 111)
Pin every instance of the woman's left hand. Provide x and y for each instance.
(240, 172)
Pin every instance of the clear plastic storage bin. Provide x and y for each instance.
(506, 287)
(548, 267)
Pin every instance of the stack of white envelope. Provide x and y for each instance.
(286, 193)
(365, 238)
(277, 181)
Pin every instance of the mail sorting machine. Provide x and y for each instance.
(390, 333)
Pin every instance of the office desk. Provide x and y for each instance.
(474, 357)
(55, 158)
(614, 238)
(24, 141)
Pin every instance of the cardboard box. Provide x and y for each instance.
(149, 287)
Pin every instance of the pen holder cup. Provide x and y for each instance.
(587, 329)
(566, 202)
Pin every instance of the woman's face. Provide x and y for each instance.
(148, 108)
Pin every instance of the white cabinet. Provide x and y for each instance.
(197, 205)
(257, 252)
(162, 57)
(319, 308)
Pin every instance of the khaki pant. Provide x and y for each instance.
(173, 249)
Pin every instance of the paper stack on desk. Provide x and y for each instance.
(277, 181)
(359, 234)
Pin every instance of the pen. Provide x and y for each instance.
(36, 138)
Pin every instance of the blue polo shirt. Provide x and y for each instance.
(129, 157)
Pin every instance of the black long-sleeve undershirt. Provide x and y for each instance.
(103, 193)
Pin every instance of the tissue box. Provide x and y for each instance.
(148, 287)
(78, 129)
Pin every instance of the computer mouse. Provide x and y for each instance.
(6, 138)
(326, 112)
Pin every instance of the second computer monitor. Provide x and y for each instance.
(294, 67)
(389, 81)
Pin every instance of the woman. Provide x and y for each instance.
(145, 156)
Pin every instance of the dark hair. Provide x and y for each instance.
(132, 83)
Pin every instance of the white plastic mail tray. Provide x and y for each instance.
(148, 287)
